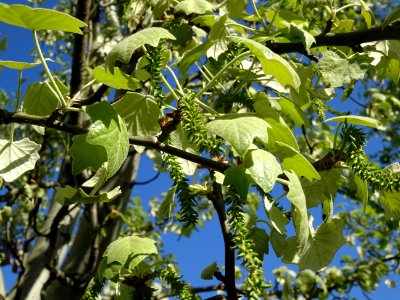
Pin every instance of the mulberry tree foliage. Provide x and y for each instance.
(278, 119)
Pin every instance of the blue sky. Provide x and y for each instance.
(204, 246)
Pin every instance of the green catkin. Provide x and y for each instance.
(186, 197)
(192, 121)
(356, 159)
(254, 284)
(181, 289)
(155, 58)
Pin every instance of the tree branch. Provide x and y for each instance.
(349, 39)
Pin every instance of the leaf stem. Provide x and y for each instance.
(48, 72)
(259, 16)
(347, 6)
(219, 74)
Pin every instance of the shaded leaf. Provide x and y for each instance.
(260, 239)
(367, 13)
(17, 157)
(39, 18)
(276, 216)
(236, 177)
(393, 16)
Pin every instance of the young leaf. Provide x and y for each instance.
(356, 120)
(116, 79)
(293, 160)
(167, 206)
(125, 254)
(367, 13)
(17, 65)
(272, 63)
(337, 69)
(240, 130)
(17, 157)
(297, 198)
(262, 167)
(140, 113)
(208, 272)
(39, 18)
(123, 50)
(70, 195)
(199, 7)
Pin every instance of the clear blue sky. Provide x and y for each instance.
(205, 246)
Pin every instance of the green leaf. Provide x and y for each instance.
(70, 195)
(278, 242)
(208, 272)
(323, 189)
(240, 130)
(337, 69)
(393, 16)
(199, 7)
(291, 159)
(217, 31)
(123, 50)
(236, 177)
(272, 63)
(391, 200)
(260, 241)
(107, 136)
(18, 65)
(297, 198)
(17, 157)
(167, 205)
(367, 13)
(361, 188)
(140, 113)
(179, 140)
(235, 8)
(39, 18)
(262, 167)
(116, 79)
(298, 34)
(276, 216)
(39, 100)
(125, 254)
(356, 120)
(295, 113)
(193, 54)
(321, 247)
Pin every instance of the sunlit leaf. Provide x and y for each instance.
(70, 195)
(125, 254)
(39, 18)
(276, 216)
(235, 8)
(167, 205)
(208, 272)
(199, 7)
(367, 13)
(123, 50)
(298, 199)
(17, 157)
(262, 167)
(272, 63)
(356, 120)
(140, 113)
(116, 79)
(291, 159)
(18, 65)
(240, 130)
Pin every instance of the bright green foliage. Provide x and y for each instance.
(39, 18)
(243, 97)
(17, 157)
(123, 50)
(116, 79)
(240, 130)
(123, 255)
